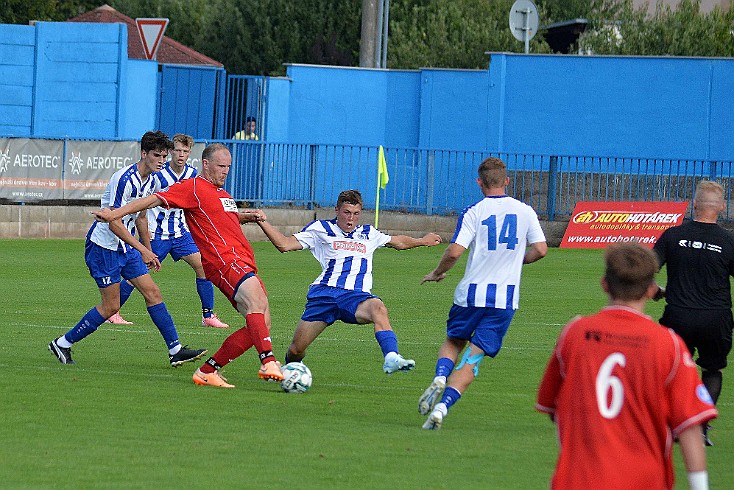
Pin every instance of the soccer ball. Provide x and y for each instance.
(296, 378)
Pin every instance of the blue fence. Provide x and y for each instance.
(443, 182)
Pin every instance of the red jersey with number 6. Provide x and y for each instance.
(213, 219)
(621, 388)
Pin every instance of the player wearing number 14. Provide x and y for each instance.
(501, 234)
(621, 388)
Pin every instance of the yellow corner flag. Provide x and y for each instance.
(382, 179)
(382, 176)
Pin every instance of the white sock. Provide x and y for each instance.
(174, 350)
(62, 342)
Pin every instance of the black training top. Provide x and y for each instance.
(699, 258)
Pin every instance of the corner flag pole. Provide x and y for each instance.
(382, 179)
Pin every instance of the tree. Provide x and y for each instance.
(457, 34)
(684, 31)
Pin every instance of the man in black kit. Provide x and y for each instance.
(699, 255)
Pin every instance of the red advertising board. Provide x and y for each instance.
(597, 224)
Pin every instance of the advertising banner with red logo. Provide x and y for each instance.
(597, 224)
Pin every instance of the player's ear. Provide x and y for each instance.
(652, 290)
(604, 284)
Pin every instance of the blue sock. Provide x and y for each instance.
(86, 326)
(444, 366)
(126, 289)
(206, 293)
(387, 340)
(450, 396)
(162, 319)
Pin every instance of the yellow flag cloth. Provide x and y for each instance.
(382, 177)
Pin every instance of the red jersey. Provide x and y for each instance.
(213, 219)
(621, 387)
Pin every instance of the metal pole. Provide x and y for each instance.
(526, 28)
(386, 15)
(378, 34)
(367, 39)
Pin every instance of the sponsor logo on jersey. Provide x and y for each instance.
(699, 245)
(350, 246)
(228, 204)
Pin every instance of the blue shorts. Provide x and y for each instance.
(108, 266)
(484, 327)
(177, 247)
(327, 304)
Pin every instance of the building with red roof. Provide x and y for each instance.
(169, 51)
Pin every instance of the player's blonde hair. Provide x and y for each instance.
(630, 270)
(493, 172)
(184, 139)
(708, 189)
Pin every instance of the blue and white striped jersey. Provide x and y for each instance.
(496, 231)
(168, 223)
(124, 186)
(345, 258)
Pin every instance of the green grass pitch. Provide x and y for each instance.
(123, 418)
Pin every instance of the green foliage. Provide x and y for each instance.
(684, 31)
(259, 36)
(454, 34)
(23, 11)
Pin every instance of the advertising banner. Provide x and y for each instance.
(31, 169)
(597, 224)
(37, 169)
(90, 164)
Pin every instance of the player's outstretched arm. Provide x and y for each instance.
(107, 215)
(282, 243)
(404, 242)
(448, 260)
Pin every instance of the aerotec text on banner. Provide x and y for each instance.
(597, 224)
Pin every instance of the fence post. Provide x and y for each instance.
(551, 198)
(712, 170)
(312, 163)
(430, 173)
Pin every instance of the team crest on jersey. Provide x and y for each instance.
(228, 204)
(350, 246)
(703, 394)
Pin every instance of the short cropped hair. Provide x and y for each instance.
(351, 196)
(250, 119)
(184, 139)
(709, 187)
(211, 149)
(493, 172)
(155, 140)
(630, 270)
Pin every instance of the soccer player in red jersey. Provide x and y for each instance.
(228, 260)
(621, 389)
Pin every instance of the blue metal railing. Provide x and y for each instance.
(431, 181)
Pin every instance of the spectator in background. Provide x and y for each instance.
(621, 388)
(249, 132)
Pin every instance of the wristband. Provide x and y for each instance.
(698, 480)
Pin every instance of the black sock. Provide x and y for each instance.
(712, 382)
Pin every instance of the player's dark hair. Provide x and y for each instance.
(184, 139)
(155, 140)
(250, 119)
(211, 149)
(630, 270)
(352, 196)
(493, 172)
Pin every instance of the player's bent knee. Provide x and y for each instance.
(471, 360)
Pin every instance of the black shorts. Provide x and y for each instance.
(705, 331)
